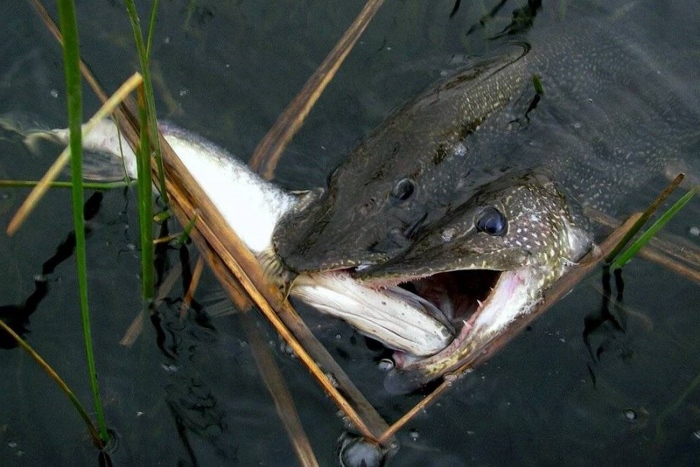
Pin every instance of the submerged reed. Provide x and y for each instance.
(96, 437)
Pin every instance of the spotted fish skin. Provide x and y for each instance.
(403, 174)
(521, 224)
(612, 115)
(539, 228)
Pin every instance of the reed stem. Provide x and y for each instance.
(71, 55)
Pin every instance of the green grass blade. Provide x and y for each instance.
(151, 28)
(145, 203)
(186, 233)
(646, 215)
(71, 55)
(62, 384)
(643, 239)
(149, 124)
(144, 60)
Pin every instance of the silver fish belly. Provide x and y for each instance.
(252, 207)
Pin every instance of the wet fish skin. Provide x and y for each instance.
(611, 117)
(537, 226)
(520, 224)
(397, 179)
(252, 207)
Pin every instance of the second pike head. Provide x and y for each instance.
(403, 175)
(484, 265)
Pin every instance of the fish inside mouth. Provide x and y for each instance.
(456, 295)
(478, 304)
(424, 318)
(474, 304)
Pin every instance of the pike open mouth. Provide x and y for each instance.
(432, 321)
(464, 300)
(477, 305)
(456, 295)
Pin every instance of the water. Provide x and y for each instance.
(580, 387)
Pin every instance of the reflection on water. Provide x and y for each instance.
(586, 384)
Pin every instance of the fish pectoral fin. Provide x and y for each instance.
(103, 167)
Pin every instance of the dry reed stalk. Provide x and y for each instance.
(196, 275)
(268, 152)
(55, 170)
(274, 380)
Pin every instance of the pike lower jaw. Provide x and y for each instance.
(476, 304)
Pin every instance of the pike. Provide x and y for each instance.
(256, 209)
(469, 197)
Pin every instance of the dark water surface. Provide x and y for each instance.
(583, 386)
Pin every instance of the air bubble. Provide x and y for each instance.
(460, 150)
(332, 379)
(286, 349)
(169, 368)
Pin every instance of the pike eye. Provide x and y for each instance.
(492, 221)
(403, 189)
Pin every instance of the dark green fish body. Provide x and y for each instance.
(403, 175)
(611, 117)
(477, 184)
